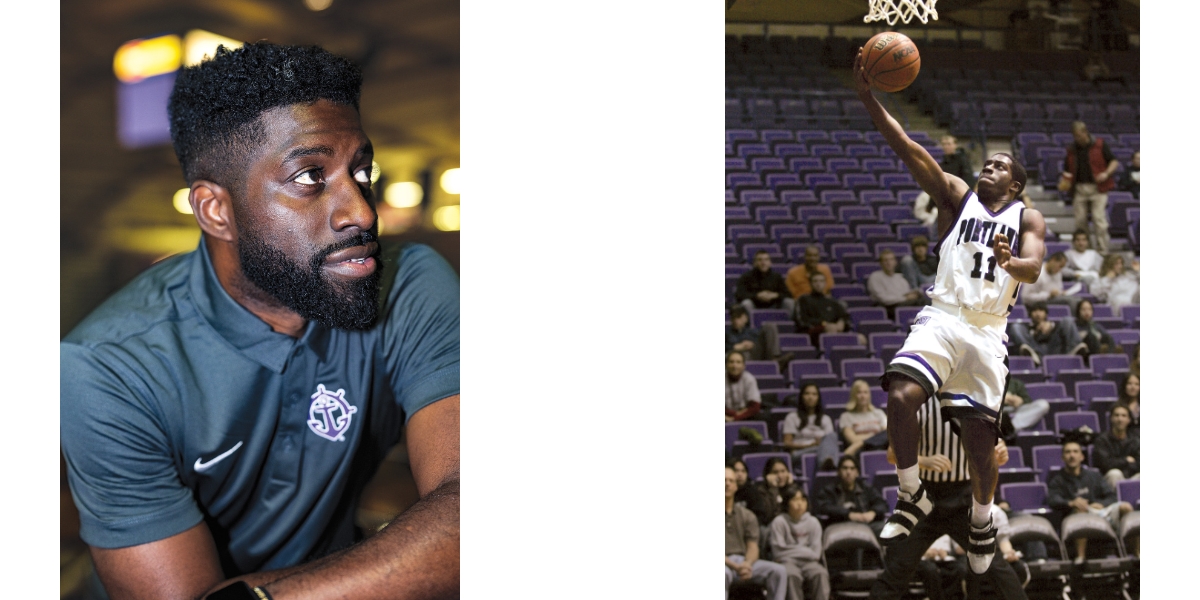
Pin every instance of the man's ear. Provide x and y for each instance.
(213, 209)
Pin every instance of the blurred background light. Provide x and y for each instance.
(181, 201)
(199, 44)
(317, 4)
(375, 171)
(136, 60)
(449, 182)
(403, 194)
(446, 218)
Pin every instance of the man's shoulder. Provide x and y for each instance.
(742, 513)
(156, 297)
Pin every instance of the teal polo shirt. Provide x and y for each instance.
(180, 406)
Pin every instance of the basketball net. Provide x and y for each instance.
(903, 10)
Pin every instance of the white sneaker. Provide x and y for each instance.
(909, 511)
(981, 546)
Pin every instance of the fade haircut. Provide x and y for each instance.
(1018, 171)
(215, 106)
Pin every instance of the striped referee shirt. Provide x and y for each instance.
(937, 438)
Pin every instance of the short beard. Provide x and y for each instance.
(305, 290)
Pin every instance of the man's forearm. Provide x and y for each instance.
(415, 556)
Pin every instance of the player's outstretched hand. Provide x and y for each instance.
(861, 85)
(1002, 251)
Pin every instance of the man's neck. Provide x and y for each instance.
(1076, 471)
(728, 504)
(1120, 433)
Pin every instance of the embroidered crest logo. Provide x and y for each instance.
(329, 414)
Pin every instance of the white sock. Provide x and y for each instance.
(910, 479)
(980, 512)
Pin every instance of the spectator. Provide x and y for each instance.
(741, 547)
(1118, 451)
(761, 287)
(1044, 336)
(939, 571)
(890, 289)
(925, 211)
(754, 344)
(863, 424)
(1075, 489)
(1129, 395)
(1049, 286)
(1089, 169)
(740, 336)
(810, 430)
(1135, 366)
(1083, 263)
(1117, 286)
(818, 312)
(742, 399)
(1092, 334)
(1131, 178)
(850, 498)
(920, 269)
(1023, 411)
(955, 161)
(799, 277)
(775, 478)
(795, 538)
(748, 495)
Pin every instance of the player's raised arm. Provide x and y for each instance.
(944, 189)
(1028, 265)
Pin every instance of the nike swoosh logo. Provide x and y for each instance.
(201, 466)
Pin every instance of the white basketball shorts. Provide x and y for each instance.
(960, 355)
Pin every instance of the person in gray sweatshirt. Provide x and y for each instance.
(795, 538)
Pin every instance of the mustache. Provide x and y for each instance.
(362, 239)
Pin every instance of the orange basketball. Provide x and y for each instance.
(891, 61)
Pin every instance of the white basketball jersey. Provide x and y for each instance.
(967, 273)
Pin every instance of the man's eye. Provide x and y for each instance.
(363, 175)
(310, 177)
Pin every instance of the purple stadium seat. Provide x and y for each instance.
(869, 369)
(1046, 458)
(905, 316)
(1085, 391)
(756, 460)
(874, 461)
(1102, 363)
(762, 315)
(1046, 391)
(1132, 315)
(1130, 491)
(1053, 363)
(1029, 498)
(731, 432)
(762, 368)
(1065, 421)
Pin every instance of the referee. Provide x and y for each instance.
(943, 465)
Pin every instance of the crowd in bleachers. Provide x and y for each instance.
(826, 264)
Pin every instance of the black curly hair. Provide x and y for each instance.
(215, 106)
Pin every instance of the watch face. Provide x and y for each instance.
(235, 591)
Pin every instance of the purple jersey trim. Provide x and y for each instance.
(917, 358)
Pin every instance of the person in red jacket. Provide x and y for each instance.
(1088, 175)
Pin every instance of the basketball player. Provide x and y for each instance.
(988, 244)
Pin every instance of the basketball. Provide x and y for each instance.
(891, 61)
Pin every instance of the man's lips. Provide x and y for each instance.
(353, 253)
(356, 261)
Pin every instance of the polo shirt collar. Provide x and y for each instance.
(249, 334)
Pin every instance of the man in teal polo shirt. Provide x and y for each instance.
(222, 413)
